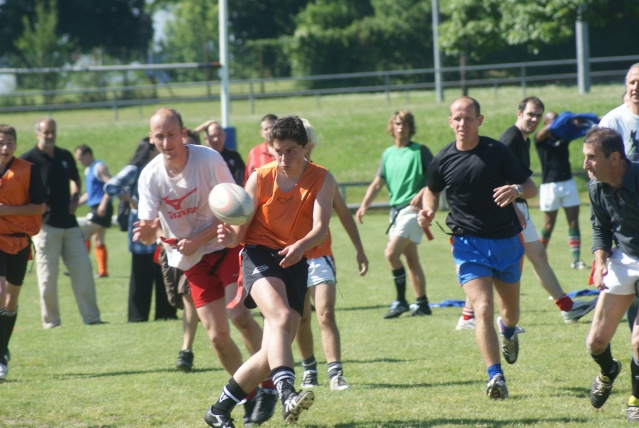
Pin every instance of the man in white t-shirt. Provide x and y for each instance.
(173, 200)
(625, 118)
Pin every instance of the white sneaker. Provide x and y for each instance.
(463, 324)
(338, 383)
(3, 372)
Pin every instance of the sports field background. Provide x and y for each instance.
(406, 372)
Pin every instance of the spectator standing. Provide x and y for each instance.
(215, 139)
(21, 206)
(60, 235)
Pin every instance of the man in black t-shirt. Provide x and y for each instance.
(215, 137)
(60, 234)
(477, 173)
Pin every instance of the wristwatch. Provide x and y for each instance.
(518, 189)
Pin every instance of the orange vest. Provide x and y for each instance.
(14, 190)
(284, 218)
(323, 249)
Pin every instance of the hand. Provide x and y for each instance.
(292, 254)
(505, 195)
(73, 205)
(226, 235)
(186, 247)
(362, 263)
(359, 214)
(102, 210)
(598, 275)
(425, 218)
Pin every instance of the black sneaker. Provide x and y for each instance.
(417, 309)
(309, 379)
(397, 308)
(602, 386)
(294, 405)
(218, 421)
(249, 405)
(265, 402)
(185, 361)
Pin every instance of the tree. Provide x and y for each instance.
(40, 47)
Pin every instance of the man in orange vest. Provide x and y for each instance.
(21, 206)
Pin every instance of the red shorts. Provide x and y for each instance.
(210, 276)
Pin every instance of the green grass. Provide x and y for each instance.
(404, 372)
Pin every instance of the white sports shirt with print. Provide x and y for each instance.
(182, 202)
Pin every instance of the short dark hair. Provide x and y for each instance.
(534, 100)
(193, 136)
(84, 149)
(9, 130)
(289, 128)
(270, 117)
(406, 117)
(607, 140)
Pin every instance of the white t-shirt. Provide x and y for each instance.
(626, 123)
(182, 202)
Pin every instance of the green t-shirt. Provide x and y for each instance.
(404, 171)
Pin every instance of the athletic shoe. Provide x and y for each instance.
(185, 361)
(633, 413)
(496, 388)
(218, 421)
(509, 347)
(265, 402)
(602, 386)
(294, 405)
(338, 383)
(309, 379)
(4, 369)
(579, 309)
(417, 309)
(579, 265)
(463, 324)
(397, 308)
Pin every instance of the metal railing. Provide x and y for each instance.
(512, 74)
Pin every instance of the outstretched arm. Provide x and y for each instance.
(346, 218)
(371, 193)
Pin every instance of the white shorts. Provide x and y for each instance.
(405, 225)
(321, 270)
(623, 273)
(530, 232)
(561, 194)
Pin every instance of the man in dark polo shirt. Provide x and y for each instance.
(60, 234)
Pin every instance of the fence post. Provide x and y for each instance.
(115, 105)
(523, 81)
(251, 97)
(386, 89)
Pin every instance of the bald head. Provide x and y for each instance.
(215, 136)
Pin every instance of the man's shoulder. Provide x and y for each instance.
(615, 114)
(31, 154)
(510, 135)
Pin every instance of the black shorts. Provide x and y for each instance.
(261, 262)
(14, 266)
(102, 221)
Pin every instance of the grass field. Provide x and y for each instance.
(404, 372)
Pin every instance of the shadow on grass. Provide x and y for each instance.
(130, 373)
(490, 423)
(412, 385)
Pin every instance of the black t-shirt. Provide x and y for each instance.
(56, 173)
(514, 140)
(236, 165)
(469, 178)
(554, 158)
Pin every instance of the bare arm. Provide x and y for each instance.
(346, 218)
(371, 193)
(76, 187)
(202, 127)
(505, 195)
(600, 269)
(430, 204)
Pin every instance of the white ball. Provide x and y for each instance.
(231, 204)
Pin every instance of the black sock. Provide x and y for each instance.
(605, 361)
(284, 380)
(634, 370)
(232, 394)
(7, 323)
(422, 301)
(399, 276)
(310, 363)
(334, 369)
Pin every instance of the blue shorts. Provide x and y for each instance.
(480, 257)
